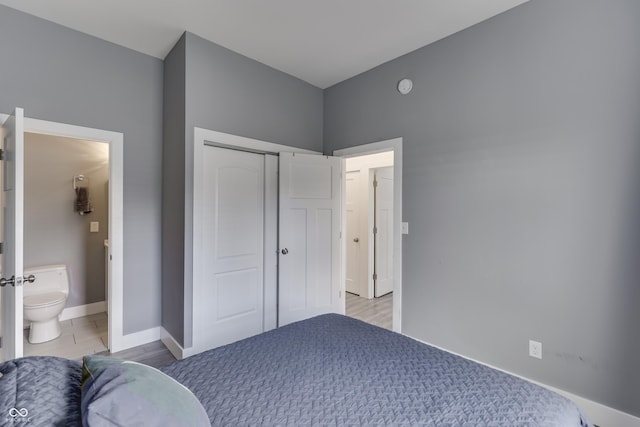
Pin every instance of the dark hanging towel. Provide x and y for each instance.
(82, 205)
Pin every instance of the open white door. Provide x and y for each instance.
(383, 235)
(309, 237)
(352, 211)
(13, 194)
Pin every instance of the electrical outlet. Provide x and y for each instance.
(535, 349)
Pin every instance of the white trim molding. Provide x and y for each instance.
(394, 145)
(597, 413)
(140, 338)
(116, 213)
(172, 345)
(83, 310)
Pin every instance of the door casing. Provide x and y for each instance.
(394, 145)
(116, 337)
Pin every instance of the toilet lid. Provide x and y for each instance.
(40, 300)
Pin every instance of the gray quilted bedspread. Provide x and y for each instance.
(40, 391)
(333, 370)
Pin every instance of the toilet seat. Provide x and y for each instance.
(43, 300)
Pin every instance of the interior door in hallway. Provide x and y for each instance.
(352, 203)
(383, 236)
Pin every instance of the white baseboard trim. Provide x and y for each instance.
(140, 338)
(176, 349)
(83, 310)
(597, 413)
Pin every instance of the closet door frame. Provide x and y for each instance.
(206, 137)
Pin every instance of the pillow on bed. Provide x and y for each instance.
(116, 392)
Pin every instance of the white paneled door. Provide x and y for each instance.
(230, 303)
(13, 193)
(309, 237)
(383, 250)
(353, 244)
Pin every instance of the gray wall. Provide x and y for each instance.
(53, 232)
(173, 192)
(225, 92)
(521, 170)
(61, 75)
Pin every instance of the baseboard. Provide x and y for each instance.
(174, 347)
(597, 413)
(140, 338)
(83, 310)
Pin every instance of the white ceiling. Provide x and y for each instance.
(320, 41)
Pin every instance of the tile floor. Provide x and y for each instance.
(80, 336)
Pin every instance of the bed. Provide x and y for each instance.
(328, 370)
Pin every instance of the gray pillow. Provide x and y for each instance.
(120, 393)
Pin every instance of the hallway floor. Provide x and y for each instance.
(377, 311)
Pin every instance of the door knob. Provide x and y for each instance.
(30, 279)
(285, 251)
(355, 239)
(4, 282)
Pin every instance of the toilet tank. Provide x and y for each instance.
(49, 278)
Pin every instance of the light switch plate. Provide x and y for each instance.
(405, 228)
(94, 226)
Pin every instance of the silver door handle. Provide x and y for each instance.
(285, 251)
(4, 282)
(13, 281)
(355, 239)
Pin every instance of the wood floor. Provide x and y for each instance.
(377, 311)
(88, 335)
(153, 354)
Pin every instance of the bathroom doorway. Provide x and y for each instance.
(66, 222)
(13, 128)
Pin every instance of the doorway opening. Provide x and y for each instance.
(12, 320)
(369, 238)
(66, 218)
(373, 225)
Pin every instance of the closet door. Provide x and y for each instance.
(309, 230)
(229, 300)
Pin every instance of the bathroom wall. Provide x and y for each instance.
(54, 233)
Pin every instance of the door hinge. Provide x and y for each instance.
(1, 247)
(375, 183)
(375, 230)
(1, 154)
(375, 276)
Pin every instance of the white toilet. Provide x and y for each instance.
(44, 300)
